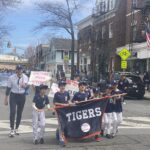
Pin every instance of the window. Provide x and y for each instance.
(103, 31)
(134, 32)
(111, 4)
(102, 7)
(134, 4)
(110, 30)
(62, 55)
(81, 61)
(70, 54)
(106, 5)
(85, 61)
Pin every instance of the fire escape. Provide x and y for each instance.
(145, 22)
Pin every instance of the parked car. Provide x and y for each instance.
(136, 88)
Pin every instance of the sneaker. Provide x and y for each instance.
(12, 133)
(41, 141)
(16, 132)
(108, 136)
(97, 139)
(62, 144)
(113, 135)
(35, 142)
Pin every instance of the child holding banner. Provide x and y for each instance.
(117, 114)
(108, 115)
(38, 114)
(61, 98)
(81, 95)
(96, 94)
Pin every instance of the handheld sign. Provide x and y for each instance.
(39, 77)
(71, 87)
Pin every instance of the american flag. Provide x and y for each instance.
(148, 36)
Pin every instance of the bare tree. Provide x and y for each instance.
(30, 51)
(4, 29)
(60, 16)
(8, 3)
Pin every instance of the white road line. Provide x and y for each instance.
(146, 119)
(128, 123)
(133, 124)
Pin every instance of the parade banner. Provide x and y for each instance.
(39, 77)
(71, 87)
(82, 120)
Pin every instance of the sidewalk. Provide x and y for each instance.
(147, 95)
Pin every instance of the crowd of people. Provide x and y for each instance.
(16, 88)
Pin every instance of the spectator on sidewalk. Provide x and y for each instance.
(146, 80)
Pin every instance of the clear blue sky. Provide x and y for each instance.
(25, 17)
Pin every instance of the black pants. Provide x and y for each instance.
(16, 102)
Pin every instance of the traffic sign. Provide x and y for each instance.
(124, 64)
(124, 54)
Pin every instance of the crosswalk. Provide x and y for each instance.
(51, 124)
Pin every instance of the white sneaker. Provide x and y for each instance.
(12, 133)
(16, 132)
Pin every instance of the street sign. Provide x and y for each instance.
(124, 54)
(124, 64)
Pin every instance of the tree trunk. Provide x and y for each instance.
(72, 56)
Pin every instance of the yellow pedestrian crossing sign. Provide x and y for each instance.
(124, 54)
(124, 64)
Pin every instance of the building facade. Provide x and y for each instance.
(40, 56)
(115, 24)
(58, 56)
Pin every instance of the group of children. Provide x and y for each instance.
(111, 119)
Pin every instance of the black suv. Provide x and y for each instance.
(136, 88)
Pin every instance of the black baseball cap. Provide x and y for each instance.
(109, 86)
(96, 90)
(82, 83)
(42, 86)
(62, 83)
(114, 82)
(19, 67)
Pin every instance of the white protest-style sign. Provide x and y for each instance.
(53, 90)
(39, 77)
(72, 87)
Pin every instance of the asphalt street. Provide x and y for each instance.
(134, 133)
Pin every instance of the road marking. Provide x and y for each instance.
(51, 124)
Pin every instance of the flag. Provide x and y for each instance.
(83, 120)
(148, 36)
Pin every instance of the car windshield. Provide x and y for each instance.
(134, 79)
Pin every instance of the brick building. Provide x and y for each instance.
(137, 20)
(113, 25)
